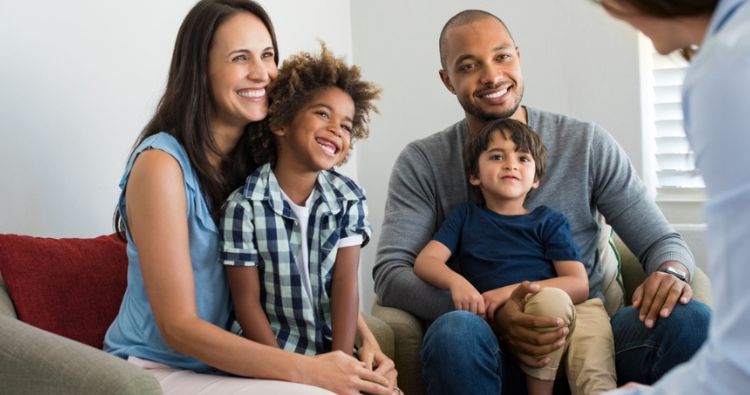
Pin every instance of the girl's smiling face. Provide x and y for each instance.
(319, 135)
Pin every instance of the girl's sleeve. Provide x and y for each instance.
(355, 222)
(237, 246)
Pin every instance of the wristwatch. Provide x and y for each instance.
(675, 272)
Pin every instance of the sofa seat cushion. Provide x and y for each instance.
(71, 287)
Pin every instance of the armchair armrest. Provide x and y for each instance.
(34, 361)
(383, 334)
(633, 275)
(407, 332)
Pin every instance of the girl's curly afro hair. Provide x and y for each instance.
(303, 75)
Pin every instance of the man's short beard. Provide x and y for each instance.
(487, 117)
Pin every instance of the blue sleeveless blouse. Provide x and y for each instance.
(134, 331)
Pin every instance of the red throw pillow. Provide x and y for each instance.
(71, 287)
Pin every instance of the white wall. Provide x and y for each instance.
(80, 79)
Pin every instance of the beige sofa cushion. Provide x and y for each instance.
(609, 259)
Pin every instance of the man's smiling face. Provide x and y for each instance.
(483, 70)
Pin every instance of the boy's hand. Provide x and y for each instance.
(494, 300)
(466, 297)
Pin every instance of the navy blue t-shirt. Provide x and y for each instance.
(494, 250)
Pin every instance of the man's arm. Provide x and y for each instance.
(622, 198)
(409, 222)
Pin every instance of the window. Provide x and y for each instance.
(669, 164)
(672, 163)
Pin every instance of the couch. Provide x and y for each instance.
(57, 298)
(626, 274)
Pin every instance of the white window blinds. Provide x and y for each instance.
(675, 162)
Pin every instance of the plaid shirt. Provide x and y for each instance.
(259, 229)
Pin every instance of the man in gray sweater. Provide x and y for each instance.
(588, 172)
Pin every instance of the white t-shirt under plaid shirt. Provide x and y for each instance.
(259, 229)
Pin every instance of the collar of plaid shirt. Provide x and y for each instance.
(332, 188)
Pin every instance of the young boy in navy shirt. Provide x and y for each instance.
(484, 250)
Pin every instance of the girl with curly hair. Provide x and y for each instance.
(291, 236)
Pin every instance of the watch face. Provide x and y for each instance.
(677, 273)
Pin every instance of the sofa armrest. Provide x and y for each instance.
(701, 287)
(407, 332)
(34, 361)
(383, 334)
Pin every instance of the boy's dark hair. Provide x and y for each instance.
(302, 76)
(525, 139)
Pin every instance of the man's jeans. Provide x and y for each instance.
(644, 355)
(461, 354)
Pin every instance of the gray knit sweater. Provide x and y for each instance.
(586, 171)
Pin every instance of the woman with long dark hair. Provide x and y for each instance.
(716, 99)
(195, 150)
